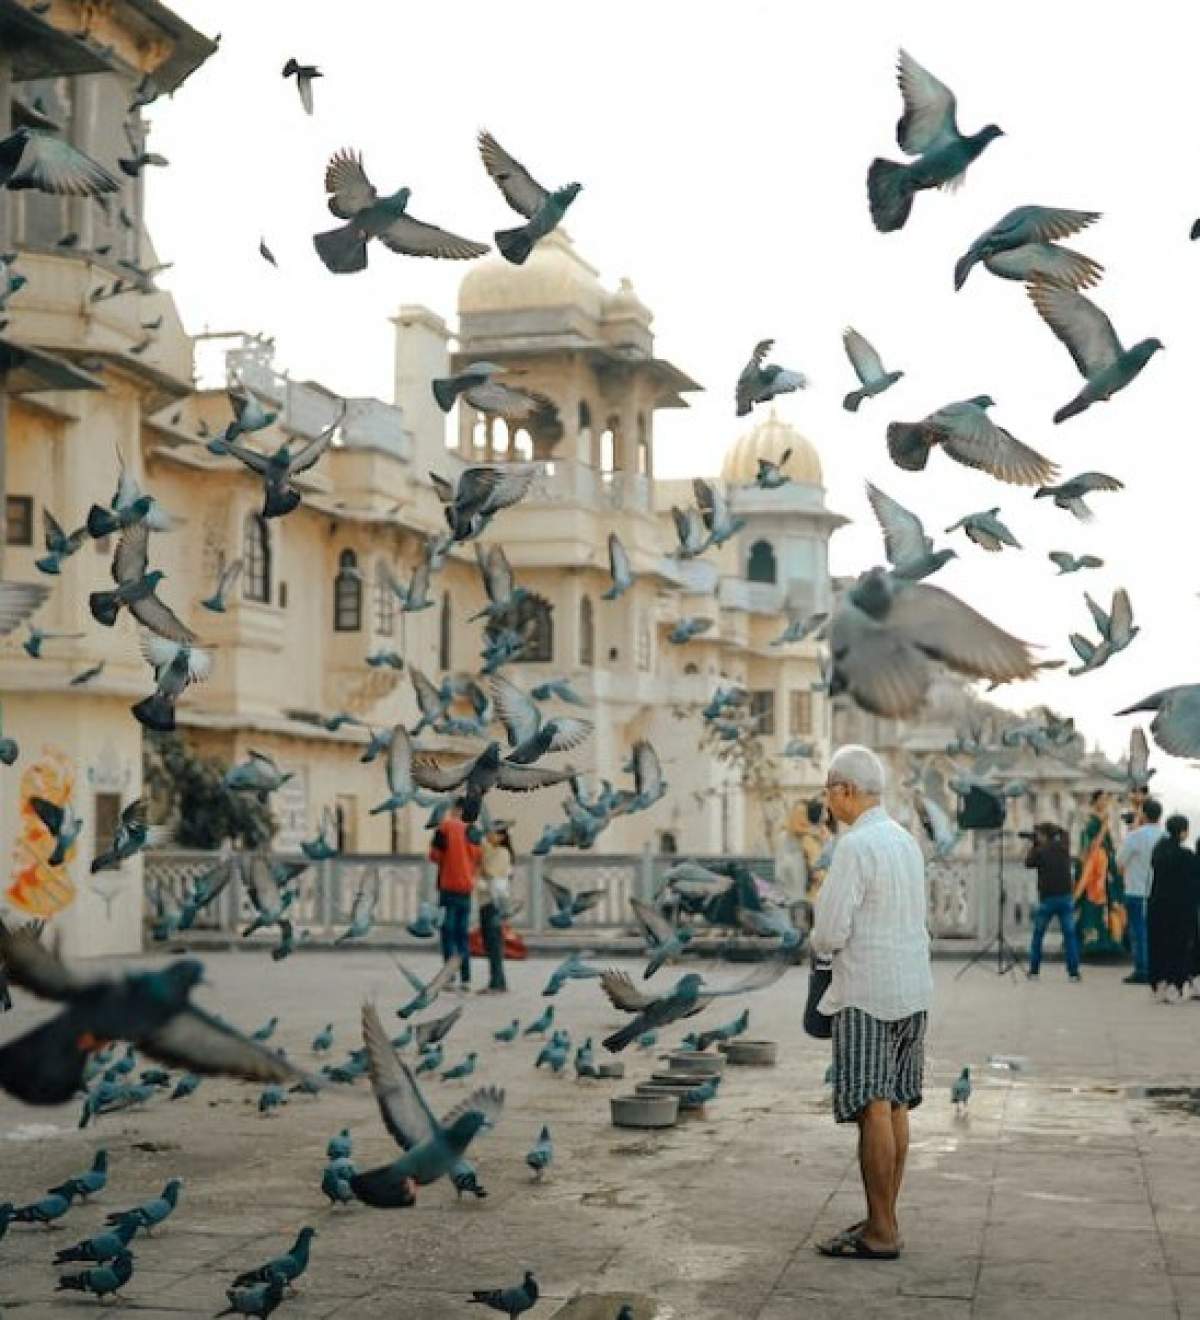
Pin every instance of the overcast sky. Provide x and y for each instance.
(723, 150)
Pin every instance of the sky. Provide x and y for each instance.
(723, 151)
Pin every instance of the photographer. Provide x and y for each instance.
(1050, 856)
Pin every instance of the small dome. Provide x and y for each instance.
(555, 275)
(625, 302)
(771, 439)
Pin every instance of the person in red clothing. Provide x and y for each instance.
(457, 855)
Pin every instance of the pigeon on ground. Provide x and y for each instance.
(569, 904)
(45, 1210)
(541, 1155)
(885, 632)
(1068, 563)
(728, 1031)
(1022, 245)
(362, 911)
(555, 1053)
(103, 1246)
(909, 550)
(352, 197)
(969, 436)
(868, 367)
(152, 1009)
(432, 1148)
(136, 590)
(426, 991)
(322, 1042)
(30, 158)
(1104, 363)
(511, 1302)
(542, 1023)
(529, 736)
(1069, 494)
(150, 1214)
(928, 129)
(105, 1280)
(288, 1267)
(619, 567)
(185, 1086)
(647, 1040)
(266, 1031)
(688, 996)
(477, 385)
(431, 1059)
(62, 822)
(465, 1178)
(474, 777)
(304, 75)
(761, 381)
(506, 1035)
(461, 1071)
(226, 579)
(133, 833)
(480, 493)
(698, 1096)
(261, 1299)
(986, 530)
(59, 546)
(960, 1092)
(542, 208)
(335, 1183)
(279, 469)
(271, 1098)
(339, 1146)
(91, 1181)
(1176, 723)
(664, 942)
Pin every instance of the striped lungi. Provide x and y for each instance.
(876, 1060)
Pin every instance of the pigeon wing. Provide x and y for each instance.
(623, 994)
(195, 1040)
(764, 974)
(429, 772)
(401, 1105)
(976, 441)
(947, 629)
(929, 109)
(1121, 619)
(18, 600)
(308, 456)
(52, 165)
(1046, 224)
(618, 559)
(1139, 757)
(1079, 324)
(569, 733)
(487, 1100)
(655, 927)
(445, 974)
(31, 965)
(526, 778)
(428, 701)
(399, 761)
(1061, 559)
(517, 710)
(647, 771)
(131, 558)
(1100, 618)
(347, 183)
(521, 190)
(1046, 263)
(491, 489)
(867, 364)
(229, 575)
(160, 619)
(415, 238)
(904, 536)
(1089, 481)
(262, 885)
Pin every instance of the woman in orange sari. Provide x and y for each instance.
(1099, 893)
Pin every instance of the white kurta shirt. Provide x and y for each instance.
(871, 918)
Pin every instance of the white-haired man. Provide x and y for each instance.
(870, 920)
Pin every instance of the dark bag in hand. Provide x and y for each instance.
(816, 1023)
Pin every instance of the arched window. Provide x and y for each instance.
(584, 452)
(522, 446)
(256, 559)
(761, 565)
(347, 594)
(500, 437)
(445, 655)
(587, 633)
(385, 600)
(608, 448)
(643, 447)
(535, 622)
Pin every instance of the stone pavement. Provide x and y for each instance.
(1063, 1194)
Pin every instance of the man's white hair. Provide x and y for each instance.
(859, 767)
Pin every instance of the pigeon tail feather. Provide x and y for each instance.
(343, 250)
(105, 606)
(100, 522)
(908, 446)
(156, 712)
(1077, 405)
(890, 193)
(515, 245)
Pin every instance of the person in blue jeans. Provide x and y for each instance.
(1133, 861)
(1050, 856)
(456, 853)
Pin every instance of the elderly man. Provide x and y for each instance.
(870, 920)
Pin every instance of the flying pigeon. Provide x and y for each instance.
(885, 632)
(761, 381)
(688, 627)
(928, 129)
(718, 521)
(690, 532)
(541, 1155)
(1022, 245)
(398, 767)
(259, 774)
(664, 942)
(542, 209)
(176, 665)
(619, 567)
(63, 824)
(476, 384)
(85, 676)
(226, 578)
(323, 845)
(1176, 723)
(1068, 563)
(37, 638)
(18, 600)
(798, 629)
(435, 1029)
(304, 75)
(45, 161)
(278, 470)
(572, 968)
(362, 911)
(529, 736)
(265, 252)
(770, 474)
(133, 833)
(1069, 494)
(868, 367)
(970, 437)
(909, 550)
(1104, 363)
(481, 492)
(431, 1148)
(476, 776)
(569, 904)
(427, 991)
(986, 530)
(1116, 628)
(560, 688)
(136, 590)
(270, 890)
(499, 582)
(59, 545)
(352, 197)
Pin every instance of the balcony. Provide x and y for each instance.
(750, 597)
(565, 481)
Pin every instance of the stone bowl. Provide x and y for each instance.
(645, 1111)
(752, 1053)
(694, 1063)
(615, 1069)
(676, 1093)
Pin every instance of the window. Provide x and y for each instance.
(500, 436)
(585, 454)
(800, 710)
(347, 594)
(587, 633)
(608, 448)
(345, 819)
(445, 653)
(643, 447)
(534, 620)
(762, 711)
(106, 813)
(385, 600)
(644, 649)
(20, 520)
(522, 446)
(396, 841)
(668, 845)
(256, 559)
(761, 565)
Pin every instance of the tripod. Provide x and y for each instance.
(1007, 958)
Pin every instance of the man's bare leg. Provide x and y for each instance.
(900, 1143)
(878, 1164)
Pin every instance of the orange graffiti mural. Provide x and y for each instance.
(38, 889)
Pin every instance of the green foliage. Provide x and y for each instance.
(189, 791)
